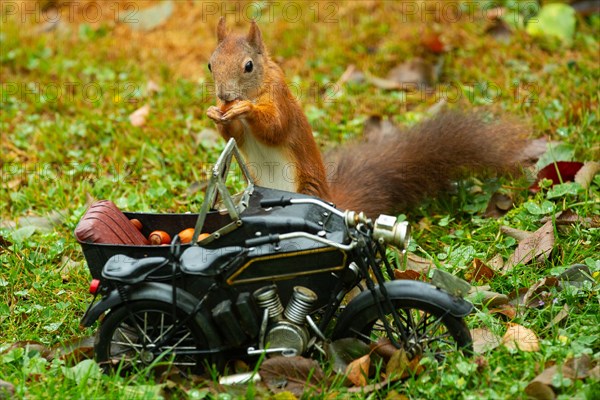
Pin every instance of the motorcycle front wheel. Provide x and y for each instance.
(430, 329)
(145, 333)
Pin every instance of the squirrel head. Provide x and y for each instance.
(237, 64)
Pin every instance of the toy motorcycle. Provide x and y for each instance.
(273, 277)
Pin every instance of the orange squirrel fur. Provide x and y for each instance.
(255, 106)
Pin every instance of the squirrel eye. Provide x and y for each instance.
(209, 68)
(248, 67)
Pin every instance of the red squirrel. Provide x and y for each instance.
(255, 106)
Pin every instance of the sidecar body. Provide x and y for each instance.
(231, 221)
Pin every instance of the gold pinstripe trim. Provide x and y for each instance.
(231, 279)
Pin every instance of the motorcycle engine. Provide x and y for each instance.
(287, 328)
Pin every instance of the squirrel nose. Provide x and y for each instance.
(226, 96)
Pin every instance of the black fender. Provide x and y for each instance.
(402, 289)
(158, 292)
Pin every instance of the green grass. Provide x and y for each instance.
(57, 151)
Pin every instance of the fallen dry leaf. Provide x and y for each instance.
(6, 389)
(484, 340)
(586, 174)
(358, 370)
(538, 295)
(408, 76)
(384, 348)
(138, 117)
(351, 74)
(570, 217)
(562, 314)
(539, 243)
(507, 310)
(479, 295)
(377, 128)
(479, 272)
(291, 374)
(498, 205)
(419, 264)
(343, 351)
(412, 74)
(517, 337)
(496, 262)
(541, 387)
(499, 30)
(558, 172)
(432, 41)
(400, 367)
(152, 87)
(533, 150)
(515, 233)
(409, 274)
(576, 275)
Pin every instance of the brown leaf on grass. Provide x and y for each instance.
(498, 205)
(499, 30)
(138, 117)
(358, 370)
(570, 217)
(538, 295)
(432, 41)
(507, 310)
(291, 374)
(412, 74)
(408, 76)
(74, 351)
(400, 367)
(533, 150)
(558, 172)
(496, 262)
(586, 174)
(419, 264)
(539, 243)
(384, 348)
(7, 390)
(576, 275)
(478, 295)
(152, 87)
(4, 243)
(562, 314)
(377, 128)
(343, 351)
(541, 387)
(517, 337)
(409, 274)
(31, 345)
(515, 233)
(351, 74)
(484, 340)
(479, 272)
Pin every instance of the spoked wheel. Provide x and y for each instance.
(145, 333)
(431, 330)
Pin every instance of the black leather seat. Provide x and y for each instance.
(130, 270)
(209, 262)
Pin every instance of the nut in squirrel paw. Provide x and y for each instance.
(226, 106)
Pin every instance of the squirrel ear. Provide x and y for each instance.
(221, 29)
(255, 37)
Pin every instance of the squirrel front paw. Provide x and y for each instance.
(237, 110)
(215, 114)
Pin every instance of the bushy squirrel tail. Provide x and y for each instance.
(397, 171)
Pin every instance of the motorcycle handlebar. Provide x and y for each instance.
(282, 201)
(259, 241)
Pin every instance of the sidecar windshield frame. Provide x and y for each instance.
(217, 188)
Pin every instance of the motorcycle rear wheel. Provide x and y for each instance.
(131, 338)
(431, 330)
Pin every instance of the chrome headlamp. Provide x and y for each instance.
(388, 230)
